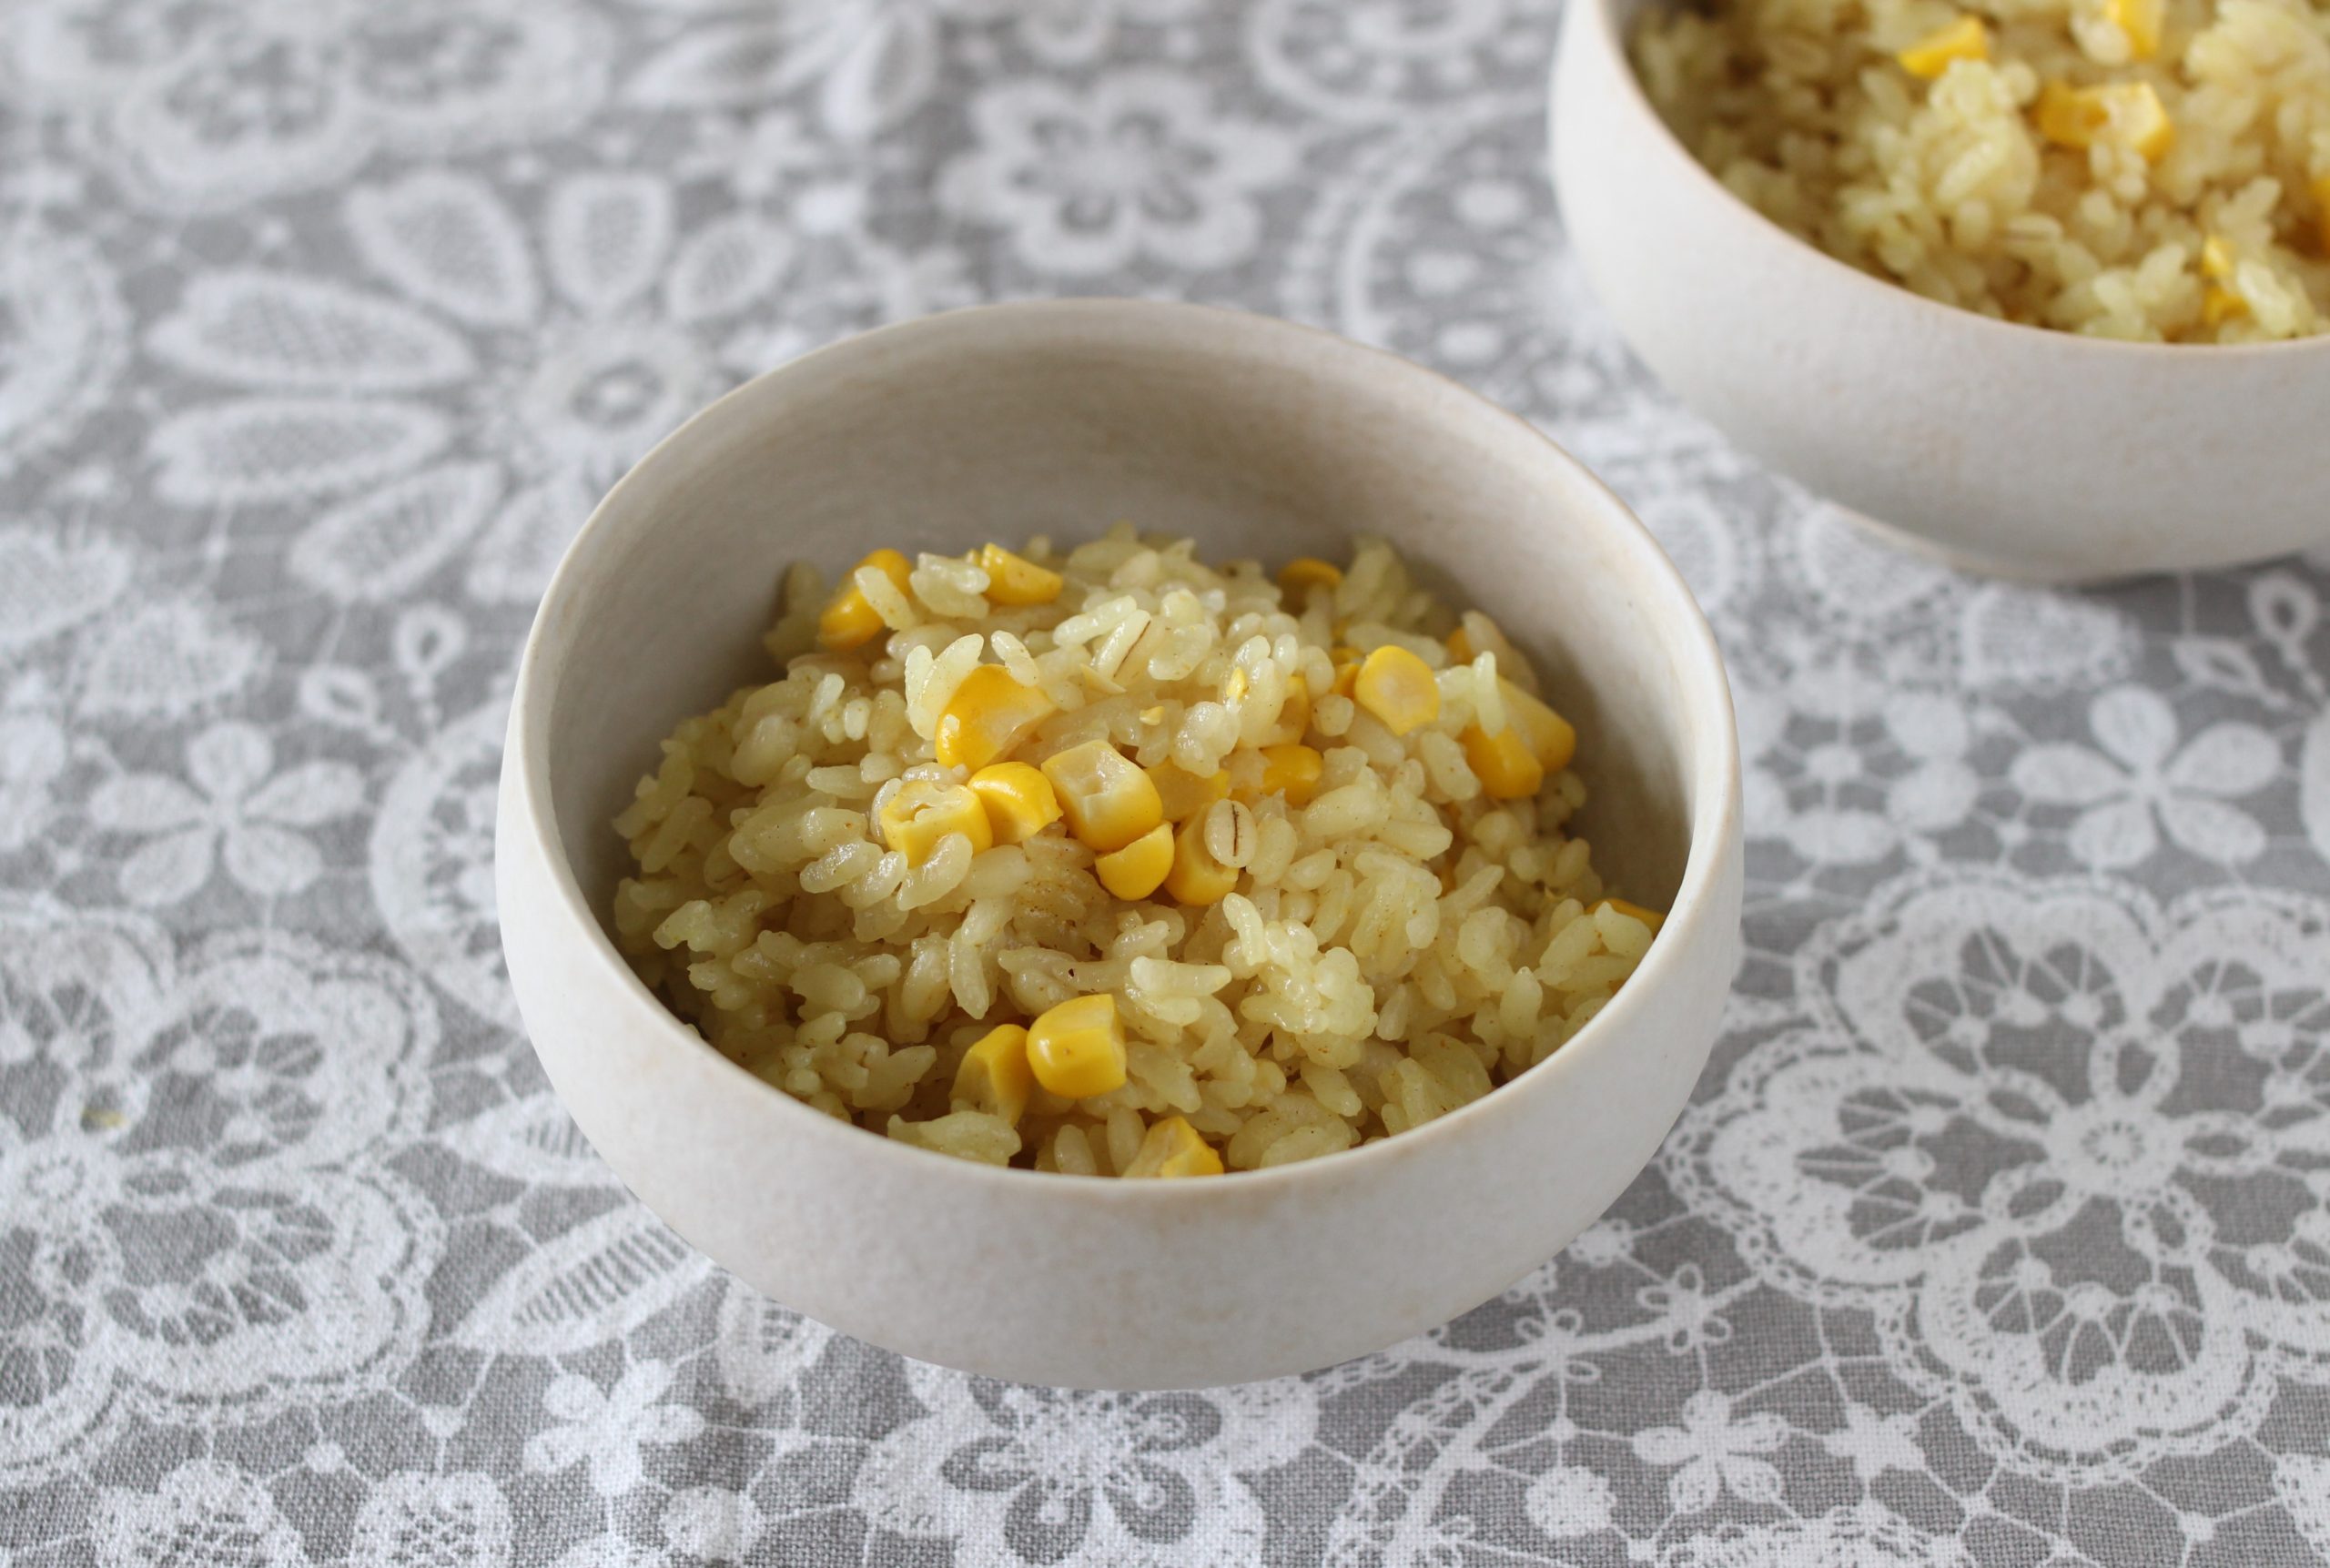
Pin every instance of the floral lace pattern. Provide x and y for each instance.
(1998, 1234)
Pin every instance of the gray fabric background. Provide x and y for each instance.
(1997, 1234)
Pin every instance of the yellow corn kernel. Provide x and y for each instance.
(2140, 20)
(1304, 573)
(923, 811)
(1459, 647)
(1018, 799)
(1172, 1148)
(1929, 56)
(1078, 1048)
(2130, 113)
(2321, 192)
(1137, 869)
(1347, 662)
(1109, 802)
(1505, 763)
(1197, 877)
(1015, 580)
(1398, 688)
(2216, 257)
(1182, 794)
(1550, 735)
(848, 620)
(1650, 917)
(1293, 772)
(988, 715)
(995, 1075)
(2219, 306)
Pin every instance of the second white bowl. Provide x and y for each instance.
(1999, 447)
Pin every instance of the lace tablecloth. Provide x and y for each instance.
(1997, 1234)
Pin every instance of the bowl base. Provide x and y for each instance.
(2012, 568)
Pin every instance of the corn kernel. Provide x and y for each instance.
(1078, 1048)
(1929, 56)
(1173, 1148)
(1505, 763)
(1182, 794)
(2219, 306)
(1550, 735)
(995, 1077)
(1292, 770)
(1018, 799)
(1347, 662)
(924, 812)
(2140, 20)
(848, 621)
(2130, 113)
(1197, 877)
(1398, 688)
(1015, 580)
(1304, 573)
(1137, 869)
(1650, 917)
(2216, 257)
(1459, 647)
(1108, 800)
(990, 714)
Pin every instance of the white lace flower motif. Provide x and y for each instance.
(870, 62)
(1865, 1536)
(186, 1236)
(62, 339)
(1874, 1442)
(200, 1503)
(2142, 782)
(33, 749)
(214, 107)
(1567, 1500)
(567, 353)
(1088, 1479)
(608, 1427)
(712, 1522)
(1715, 1450)
(2031, 1130)
(1142, 165)
(233, 808)
(1845, 771)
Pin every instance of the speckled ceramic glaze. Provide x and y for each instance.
(1259, 439)
(1998, 447)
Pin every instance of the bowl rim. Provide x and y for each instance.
(1711, 768)
(1600, 17)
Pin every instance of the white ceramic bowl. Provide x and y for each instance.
(1259, 439)
(1999, 447)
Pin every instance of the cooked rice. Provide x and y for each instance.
(1393, 949)
(1948, 186)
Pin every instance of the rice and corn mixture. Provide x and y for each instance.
(1107, 861)
(2157, 170)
